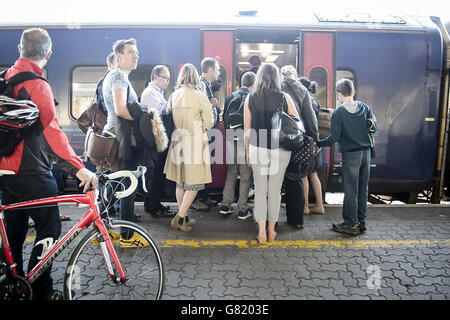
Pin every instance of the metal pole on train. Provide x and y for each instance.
(444, 109)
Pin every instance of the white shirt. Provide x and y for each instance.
(153, 97)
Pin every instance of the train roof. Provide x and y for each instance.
(223, 18)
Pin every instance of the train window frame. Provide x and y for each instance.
(353, 78)
(141, 75)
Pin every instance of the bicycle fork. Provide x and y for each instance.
(109, 254)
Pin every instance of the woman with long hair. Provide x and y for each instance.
(268, 160)
(188, 161)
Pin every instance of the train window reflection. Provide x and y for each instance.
(319, 75)
(85, 79)
(84, 83)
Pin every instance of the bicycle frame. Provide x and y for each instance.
(92, 215)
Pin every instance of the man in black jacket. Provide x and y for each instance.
(293, 184)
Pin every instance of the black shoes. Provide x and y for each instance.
(362, 226)
(163, 212)
(347, 229)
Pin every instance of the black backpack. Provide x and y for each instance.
(10, 133)
(234, 113)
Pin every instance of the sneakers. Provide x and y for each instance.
(343, 228)
(225, 210)
(200, 206)
(244, 214)
(136, 241)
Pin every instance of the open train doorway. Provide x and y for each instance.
(264, 46)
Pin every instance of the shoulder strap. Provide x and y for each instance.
(24, 76)
(283, 102)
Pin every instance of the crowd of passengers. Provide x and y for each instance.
(191, 110)
(260, 164)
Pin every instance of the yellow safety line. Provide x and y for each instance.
(301, 243)
(293, 243)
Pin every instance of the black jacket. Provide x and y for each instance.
(141, 126)
(302, 101)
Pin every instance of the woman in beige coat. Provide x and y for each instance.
(188, 161)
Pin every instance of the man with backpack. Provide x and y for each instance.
(32, 160)
(233, 117)
(210, 70)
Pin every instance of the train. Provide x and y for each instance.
(399, 64)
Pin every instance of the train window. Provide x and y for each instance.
(319, 75)
(346, 74)
(84, 83)
(221, 94)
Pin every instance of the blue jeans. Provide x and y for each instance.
(356, 172)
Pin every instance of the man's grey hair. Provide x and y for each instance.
(119, 45)
(156, 71)
(36, 44)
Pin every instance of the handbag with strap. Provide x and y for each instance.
(302, 160)
(101, 150)
(287, 129)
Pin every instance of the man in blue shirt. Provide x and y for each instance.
(153, 97)
(349, 127)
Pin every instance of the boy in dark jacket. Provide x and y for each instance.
(349, 128)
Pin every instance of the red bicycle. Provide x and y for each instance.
(100, 267)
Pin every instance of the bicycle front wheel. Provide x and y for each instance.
(86, 276)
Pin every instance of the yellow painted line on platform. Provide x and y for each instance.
(301, 243)
(293, 243)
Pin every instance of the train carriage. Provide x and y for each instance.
(398, 65)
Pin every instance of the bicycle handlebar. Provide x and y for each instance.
(133, 176)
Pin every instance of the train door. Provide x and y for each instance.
(219, 44)
(317, 62)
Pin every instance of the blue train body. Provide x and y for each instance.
(397, 69)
